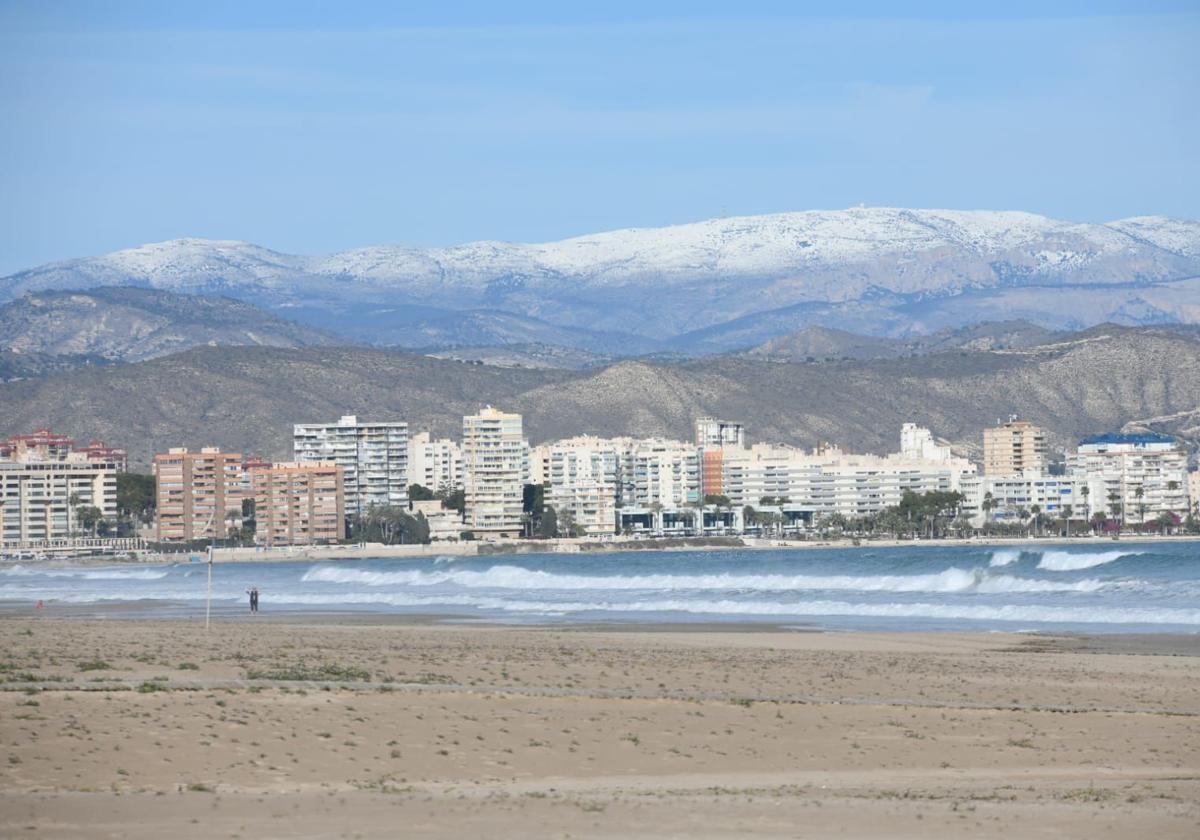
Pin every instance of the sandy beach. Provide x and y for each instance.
(376, 726)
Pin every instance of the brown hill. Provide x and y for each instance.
(248, 398)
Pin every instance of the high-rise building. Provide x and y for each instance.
(373, 458)
(43, 492)
(199, 494)
(581, 479)
(496, 469)
(434, 464)
(1013, 447)
(298, 504)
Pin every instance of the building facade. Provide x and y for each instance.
(199, 494)
(1016, 498)
(298, 503)
(1014, 447)
(1133, 478)
(41, 498)
(373, 458)
(495, 471)
(581, 480)
(435, 464)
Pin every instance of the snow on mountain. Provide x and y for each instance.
(670, 280)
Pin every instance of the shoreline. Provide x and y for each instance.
(375, 551)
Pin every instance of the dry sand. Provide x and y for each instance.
(382, 728)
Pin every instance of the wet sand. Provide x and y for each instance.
(377, 726)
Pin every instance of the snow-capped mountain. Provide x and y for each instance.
(880, 270)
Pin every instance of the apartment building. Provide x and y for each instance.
(298, 503)
(1132, 477)
(50, 446)
(581, 479)
(496, 469)
(1194, 492)
(1015, 497)
(373, 458)
(1014, 447)
(658, 472)
(806, 485)
(435, 464)
(41, 493)
(917, 443)
(199, 494)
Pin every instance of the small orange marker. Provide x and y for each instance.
(40, 605)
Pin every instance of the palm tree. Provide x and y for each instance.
(1140, 492)
(989, 505)
(1036, 510)
(72, 504)
(1114, 506)
(1068, 511)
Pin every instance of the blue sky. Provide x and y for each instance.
(310, 127)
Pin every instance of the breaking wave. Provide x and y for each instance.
(1066, 561)
(518, 578)
(86, 574)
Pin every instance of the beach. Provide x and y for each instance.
(369, 725)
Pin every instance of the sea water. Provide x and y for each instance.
(1125, 587)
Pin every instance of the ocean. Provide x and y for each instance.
(1109, 587)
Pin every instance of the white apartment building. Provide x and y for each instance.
(1016, 497)
(373, 458)
(581, 476)
(1194, 492)
(828, 480)
(435, 464)
(917, 443)
(496, 469)
(718, 434)
(1132, 477)
(40, 497)
(659, 472)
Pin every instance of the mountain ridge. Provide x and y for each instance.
(887, 271)
(247, 398)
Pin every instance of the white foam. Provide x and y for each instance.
(1005, 557)
(517, 578)
(1038, 614)
(1066, 561)
(85, 574)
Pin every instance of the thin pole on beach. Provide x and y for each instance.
(208, 600)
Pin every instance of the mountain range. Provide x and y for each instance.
(712, 286)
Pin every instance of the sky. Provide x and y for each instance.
(311, 127)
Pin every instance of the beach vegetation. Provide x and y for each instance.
(326, 671)
(94, 665)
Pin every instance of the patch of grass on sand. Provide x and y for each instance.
(310, 673)
(94, 665)
(1087, 794)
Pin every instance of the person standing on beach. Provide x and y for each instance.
(253, 593)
